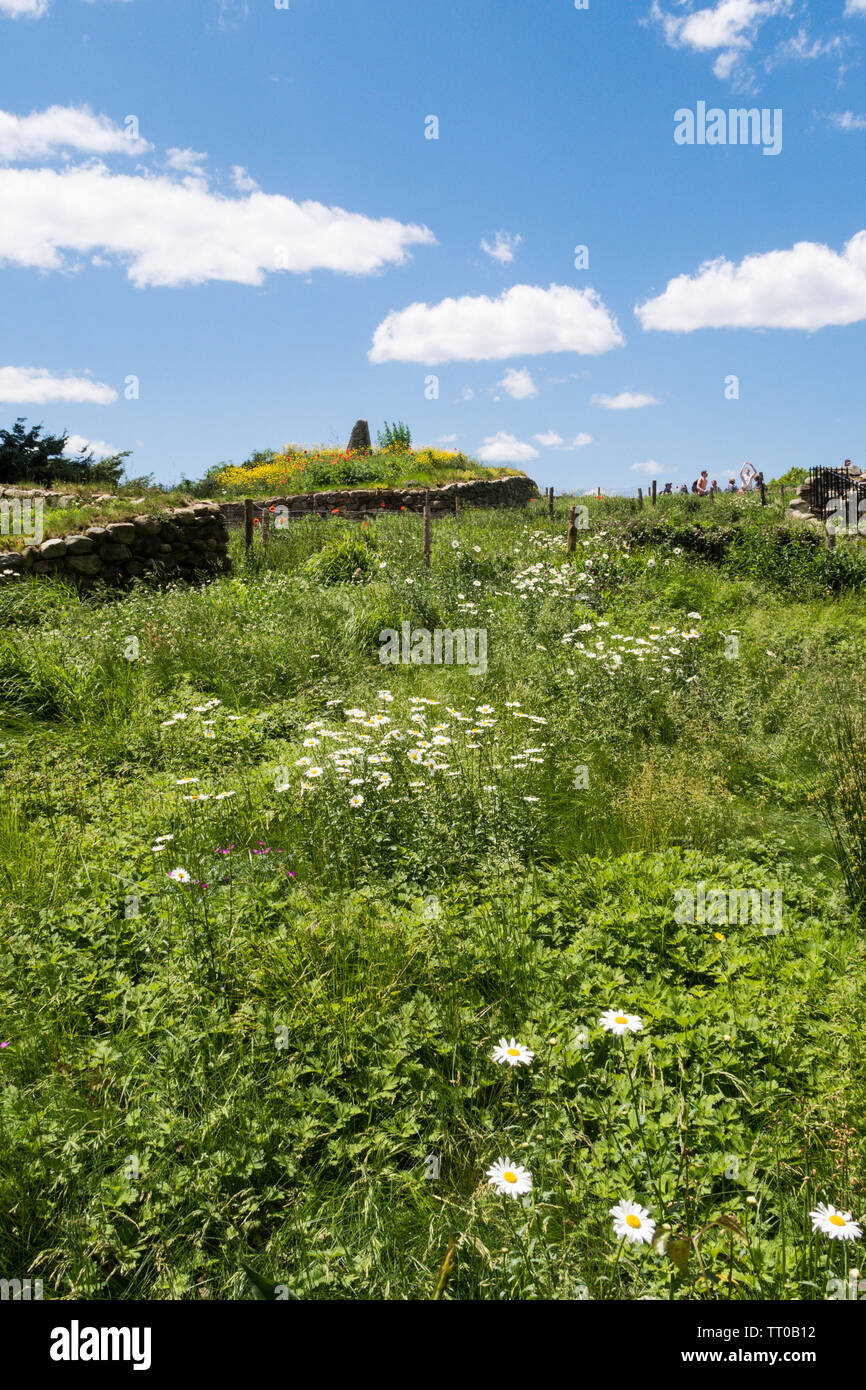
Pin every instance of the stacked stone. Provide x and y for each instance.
(184, 544)
(356, 503)
(50, 499)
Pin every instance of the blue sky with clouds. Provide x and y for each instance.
(239, 207)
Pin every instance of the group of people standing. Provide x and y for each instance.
(749, 479)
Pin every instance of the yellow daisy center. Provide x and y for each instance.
(633, 1221)
(621, 1018)
(510, 1177)
(514, 1051)
(837, 1220)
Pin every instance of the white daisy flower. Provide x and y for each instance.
(838, 1225)
(158, 840)
(615, 1021)
(356, 800)
(223, 796)
(509, 1178)
(303, 762)
(179, 875)
(513, 1053)
(312, 742)
(633, 1223)
(314, 772)
(484, 709)
(185, 781)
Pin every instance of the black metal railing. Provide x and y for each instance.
(830, 487)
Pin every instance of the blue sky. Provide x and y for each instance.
(273, 247)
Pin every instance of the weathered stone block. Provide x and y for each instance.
(84, 564)
(52, 550)
(78, 545)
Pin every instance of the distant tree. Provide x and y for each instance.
(30, 455)
(793, 477)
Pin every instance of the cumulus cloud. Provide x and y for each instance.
(504, 448)
(855, 7)
(809, 286)
(552, 440)
(524, 321)
(729, 28)
(185, 161)
(59, 128)
(76, 444)
(23, 9)
(518, 384)
(169, 232)
(447, 439)
(503, 248)
(38, 386)
(626, 400)
(651, 468)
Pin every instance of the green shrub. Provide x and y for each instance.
(350, 560)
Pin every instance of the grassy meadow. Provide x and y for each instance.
(269, 906)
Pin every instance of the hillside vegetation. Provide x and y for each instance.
(271, 904)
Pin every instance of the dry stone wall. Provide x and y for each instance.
(185, 543)
(356, 502)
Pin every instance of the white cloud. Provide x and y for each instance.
(626, 400)
(524, 321)
(181, 233)
(505, 448)
(45, 133)
(846, 120)
(651, 468)
(447, 439)
(552, 440)
(37, 386)
(503, 248)
(518, 384)
(76, 444)
(809, 286)
(731, 26)
(855, 7)
(467, 394)
(23, 9)
(185, 161)
(242, 181)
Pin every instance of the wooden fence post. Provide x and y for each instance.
(654, 491)
(426, 530)
(248, 523)
(550, 502)
(640, 497)
(763, 492)
(266, 527)
(571, 538)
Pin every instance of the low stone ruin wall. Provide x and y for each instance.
(186, 543)
(356, 503)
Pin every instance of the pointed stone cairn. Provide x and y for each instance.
(359, 440)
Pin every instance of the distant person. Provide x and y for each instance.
(701, 487)
(684, 489)
(732, 485)
(668, 489)
(695, 485)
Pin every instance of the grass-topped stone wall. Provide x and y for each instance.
(185, 543)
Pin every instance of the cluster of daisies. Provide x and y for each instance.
(432, 737)
(632, 1223)
(208, 726)
(661, 649)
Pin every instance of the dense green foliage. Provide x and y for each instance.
(284, 1063)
